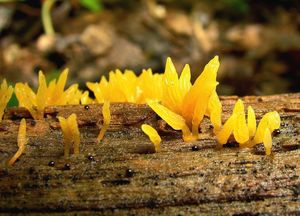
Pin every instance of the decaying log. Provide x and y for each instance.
(121, 175)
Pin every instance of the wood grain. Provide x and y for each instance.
(122, 176)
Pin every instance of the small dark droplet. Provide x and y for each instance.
(87, 107)
(277, 131)
(260, 99)
(33, 123)
(67, 166)
(91, 158)
(195, 148)
(51, 163)
(283, 124)
(129, 173)
(211, 127)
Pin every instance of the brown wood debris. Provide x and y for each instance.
(121, 175)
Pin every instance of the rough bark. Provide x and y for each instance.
(121, 175)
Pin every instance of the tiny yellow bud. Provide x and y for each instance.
(71, 135)
(153, 136)
(106, 120)
(22, 141)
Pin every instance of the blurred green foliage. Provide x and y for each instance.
(54, 74)
(240, 6)
(92, 5)
(13, 100)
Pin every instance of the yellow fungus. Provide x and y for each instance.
(251, 120)
(106, 120)
(226, 131)
(5, 94)
(267, 141)
(184, 105)
(85, 99)
(271, 121)
(236, 124)
(215, 111)
(153, 136)
(173, 97)
(22, 141)
(240, 129)
(71, 135)
(127, 87)
(246, 134)
(53, 94)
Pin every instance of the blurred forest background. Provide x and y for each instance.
(258, 42)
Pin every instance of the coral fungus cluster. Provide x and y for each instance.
(174, 98)
(53, 94)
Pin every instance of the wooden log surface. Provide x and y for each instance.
(122, 176)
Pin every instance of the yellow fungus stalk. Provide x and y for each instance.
(22, 141)
(240, 129)
(71, 135)
(153, 136)
(270, 121)
(251, 120)
(215, 111)
(267, 141)
(106, 120)
(53, 94)
(246, 133)
(5, 95)
(226, 131)
(183, 105)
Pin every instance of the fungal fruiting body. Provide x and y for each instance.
(53, 94)
(269, 122)
(153, 136)
(22, 141)
(184, 105)
(5, 94)
(178, 102)
(71, 135)
(127, 87)
(106, 120)
(245, 132)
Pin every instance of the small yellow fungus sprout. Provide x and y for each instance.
(53, 94)
(127, 87)
(71, 135)
(85, 99)
(153, 136)
(183, 105)
(245, 132)
(269, 122)
(5, 94)
(22, 141)
(106, 120)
